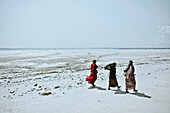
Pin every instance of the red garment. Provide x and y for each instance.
(93, 75)
(92, 78)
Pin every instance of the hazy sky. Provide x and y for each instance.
(84, 23)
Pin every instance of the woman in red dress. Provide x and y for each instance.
(93, 75)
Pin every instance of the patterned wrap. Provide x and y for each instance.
(130, 78)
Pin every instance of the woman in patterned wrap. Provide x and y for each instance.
(130, 77)
(93, 75)
(112, 77)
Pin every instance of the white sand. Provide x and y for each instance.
(25, 75)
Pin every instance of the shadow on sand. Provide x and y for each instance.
(119, 91)
(140, 94)
(97, 87)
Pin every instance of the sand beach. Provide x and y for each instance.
(53, 81)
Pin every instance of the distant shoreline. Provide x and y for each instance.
(78, 48)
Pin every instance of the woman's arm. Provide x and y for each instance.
(127, 68)
(107, 67)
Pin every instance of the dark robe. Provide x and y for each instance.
(112, 76)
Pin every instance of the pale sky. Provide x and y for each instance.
(84, 23)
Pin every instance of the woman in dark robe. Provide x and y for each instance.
(130, 77)
(93, 75)
(112, 77)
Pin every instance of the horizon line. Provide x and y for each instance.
(85, 48)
